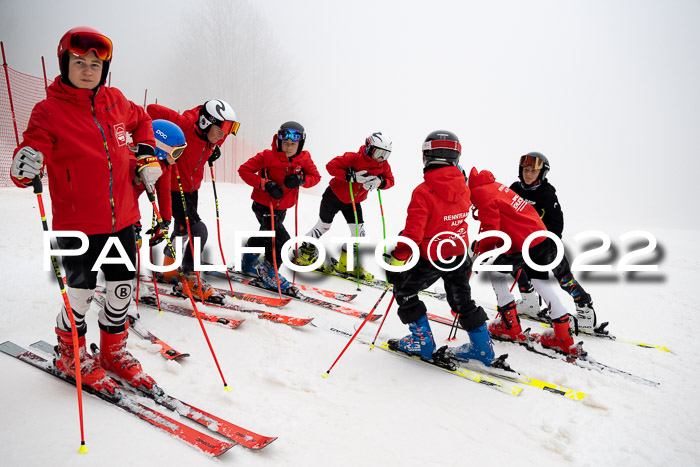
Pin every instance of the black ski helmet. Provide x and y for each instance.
(441, 146)
(294, 131)
(538, 161)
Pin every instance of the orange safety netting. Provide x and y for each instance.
(26, 91)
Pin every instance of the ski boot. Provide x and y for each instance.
(266, 271)
(249, 263)
(480, 348)
(585, 319)
(92, 374)
(308, 254)
(115, 358)
(559, 338)
(529, 305)
(206, 294)
(506, 326)
(171, 276)
(420, 342)
(341, 267)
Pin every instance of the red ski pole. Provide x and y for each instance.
(327, 373)
(218, 226)
(185, 286)
(274, 248)
(371, 346)
(38, 187)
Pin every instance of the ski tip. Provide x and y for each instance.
(83, 449)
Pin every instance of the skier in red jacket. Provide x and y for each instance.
(276, 175)
(499, 208)
(206, 127)
(436, 222)
(361, 171)
(78, 135)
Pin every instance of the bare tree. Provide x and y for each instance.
(227, 50)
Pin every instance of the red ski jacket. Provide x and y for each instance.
(439, 204)
(357, 161)
(273, 165)
(194, 159)
(83, 137)
(500, 208)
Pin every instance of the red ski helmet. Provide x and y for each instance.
(81, 41)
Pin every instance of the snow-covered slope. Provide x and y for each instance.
(374, 407)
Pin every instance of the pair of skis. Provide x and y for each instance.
(195, 438)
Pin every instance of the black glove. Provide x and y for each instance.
(157, 234)
(294, 180)
(215, 154)
(274, 189)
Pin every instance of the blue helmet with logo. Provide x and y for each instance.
(170, 140)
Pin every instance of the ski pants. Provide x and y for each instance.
(182, 217)
(330, 205)
(262, 213)
(565, 277)
(423, 275)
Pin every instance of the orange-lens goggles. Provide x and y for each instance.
(531, 161)
(229, 127)
(82, 43)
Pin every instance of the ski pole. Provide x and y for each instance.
(274, 248)
(38, 187)
(357, 234)
(296, 233)
(185, 286)
(218, 226)
(381, 209)
(517, 276)
(189, 231)
(371, 346)
(327, 373)
(154, 224)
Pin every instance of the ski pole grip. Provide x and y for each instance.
(36, 183)
(149, 193)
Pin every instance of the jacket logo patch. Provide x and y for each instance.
(120, 134)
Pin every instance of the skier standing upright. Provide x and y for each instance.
(78, 134)
(437, 223)
(276, 175)
(534, 188)
(206, 127)
(362, 171)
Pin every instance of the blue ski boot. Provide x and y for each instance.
(480, 348)
(420, 342)
(249, 264)
(266, 271)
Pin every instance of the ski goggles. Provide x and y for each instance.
(379, 155)
(83, 43)
(292, 135)
(442, 144)
(229, 127)
(173, 151)
(531, 161)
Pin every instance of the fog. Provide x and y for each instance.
(607, 90)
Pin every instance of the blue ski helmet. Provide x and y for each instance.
(170, 140)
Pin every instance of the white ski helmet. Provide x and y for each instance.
(378, 146)
(219, 113)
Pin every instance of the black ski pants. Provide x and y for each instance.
(423, 275)
(262, 213)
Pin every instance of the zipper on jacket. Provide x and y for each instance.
(109, 162)
(201, 157)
